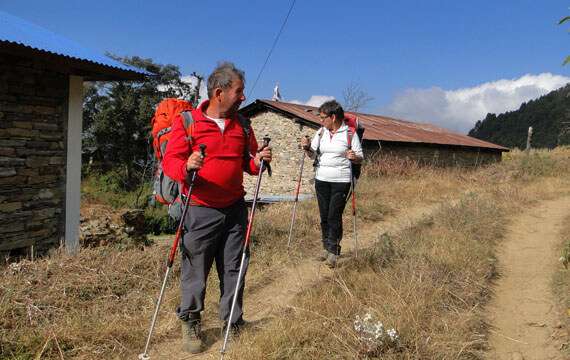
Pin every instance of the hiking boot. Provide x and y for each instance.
(323, 255)
(331, 260)
(191, 336)
(235, 328)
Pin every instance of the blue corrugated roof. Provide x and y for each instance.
(21, 32)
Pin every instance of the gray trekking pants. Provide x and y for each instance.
(212, 234)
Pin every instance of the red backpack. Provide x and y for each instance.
(165, 190)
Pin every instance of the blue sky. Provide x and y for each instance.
(415, 58)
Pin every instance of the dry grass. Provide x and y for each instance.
(428, 282)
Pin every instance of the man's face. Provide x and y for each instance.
(232, 97)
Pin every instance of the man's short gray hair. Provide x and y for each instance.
(222, 77)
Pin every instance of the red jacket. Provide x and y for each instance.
(219, 183)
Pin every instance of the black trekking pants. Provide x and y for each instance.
(212, 235)
(332, 199)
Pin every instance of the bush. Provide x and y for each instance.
(158, 221)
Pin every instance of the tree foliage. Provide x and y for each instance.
(117, 118)
(548, 115)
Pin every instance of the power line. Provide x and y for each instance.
(272, 47)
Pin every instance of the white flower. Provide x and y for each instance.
(393, 334)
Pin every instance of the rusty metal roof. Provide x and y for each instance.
(379, 127)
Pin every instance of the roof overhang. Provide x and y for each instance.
(90, 71)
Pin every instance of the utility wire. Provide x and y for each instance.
(272, 47)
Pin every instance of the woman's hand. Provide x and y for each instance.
(305, 143)
(351, 155)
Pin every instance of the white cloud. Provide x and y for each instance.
(315, 100)
(458, 110)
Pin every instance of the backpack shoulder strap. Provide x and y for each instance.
(188, 123)
(320, 133)
(246, 127)
(187, 119)
(349, 135)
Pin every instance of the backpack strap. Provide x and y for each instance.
(320, 133)
(246, 127)
(188, 123)
(349, 135)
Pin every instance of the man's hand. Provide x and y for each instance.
(351, 155)
(265, 154)
(195, 161)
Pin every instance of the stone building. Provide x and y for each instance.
(41, 99)
(286, 123)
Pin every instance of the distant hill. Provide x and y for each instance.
(548, 115)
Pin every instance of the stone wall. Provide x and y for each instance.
(32, 154)
(286, 133)
(438, 155)
(285, 137)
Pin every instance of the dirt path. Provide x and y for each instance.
(523, 311)
(269, 301)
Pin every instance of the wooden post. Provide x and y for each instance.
(528, 139)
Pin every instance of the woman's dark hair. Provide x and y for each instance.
(332, 107)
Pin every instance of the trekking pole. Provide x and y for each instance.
(144, 355)
(245, 245)
(353, 191)
(296, 198)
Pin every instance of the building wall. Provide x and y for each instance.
(33, 102)
(439, 155)
(285, 135)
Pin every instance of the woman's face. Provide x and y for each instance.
(327, 120)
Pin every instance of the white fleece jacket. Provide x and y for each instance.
(333, 164)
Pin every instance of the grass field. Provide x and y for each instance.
(429, 283)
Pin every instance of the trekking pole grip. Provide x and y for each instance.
(202, 149)
(263, 165)
(266, 141)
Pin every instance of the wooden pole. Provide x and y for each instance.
(528, 139)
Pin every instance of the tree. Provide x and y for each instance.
(354, 97)
(117, 118)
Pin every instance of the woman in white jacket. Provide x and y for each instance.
(333, 147)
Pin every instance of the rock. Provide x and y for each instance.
(45, 194)
(101, 225)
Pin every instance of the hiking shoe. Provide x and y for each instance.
(235, 328)
(331, 260)
(323, 255)
(191, 336)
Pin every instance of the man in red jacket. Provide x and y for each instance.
(216, 221)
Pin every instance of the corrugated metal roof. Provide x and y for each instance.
(17, 31)
(381, 127)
